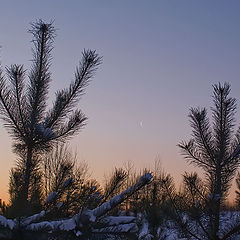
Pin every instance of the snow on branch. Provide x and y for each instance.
(116, 220)
(144, 232)
(33, 218)
(7, 223)
(51, 197)
(64, 225)
(107, 206)
(85, 216)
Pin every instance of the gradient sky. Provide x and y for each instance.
(159, 59)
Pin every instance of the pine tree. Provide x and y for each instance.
(216, 151)
(35, 129)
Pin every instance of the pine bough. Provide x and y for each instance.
(85, 217)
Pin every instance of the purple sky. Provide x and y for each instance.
(159, 59)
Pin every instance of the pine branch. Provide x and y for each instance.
(234, 230)
(118, 177)
(192, 155)
(201, 131)
(223, 116)
(76, 121)
(107, 206)
(40, 76)
(66, 99)
(16, 77)
(7, 110)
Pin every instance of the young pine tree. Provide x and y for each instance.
(35, 129)
(216, 150)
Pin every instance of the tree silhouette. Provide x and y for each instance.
(216, 150)
(35, 129)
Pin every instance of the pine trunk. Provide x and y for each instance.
(27, 176)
